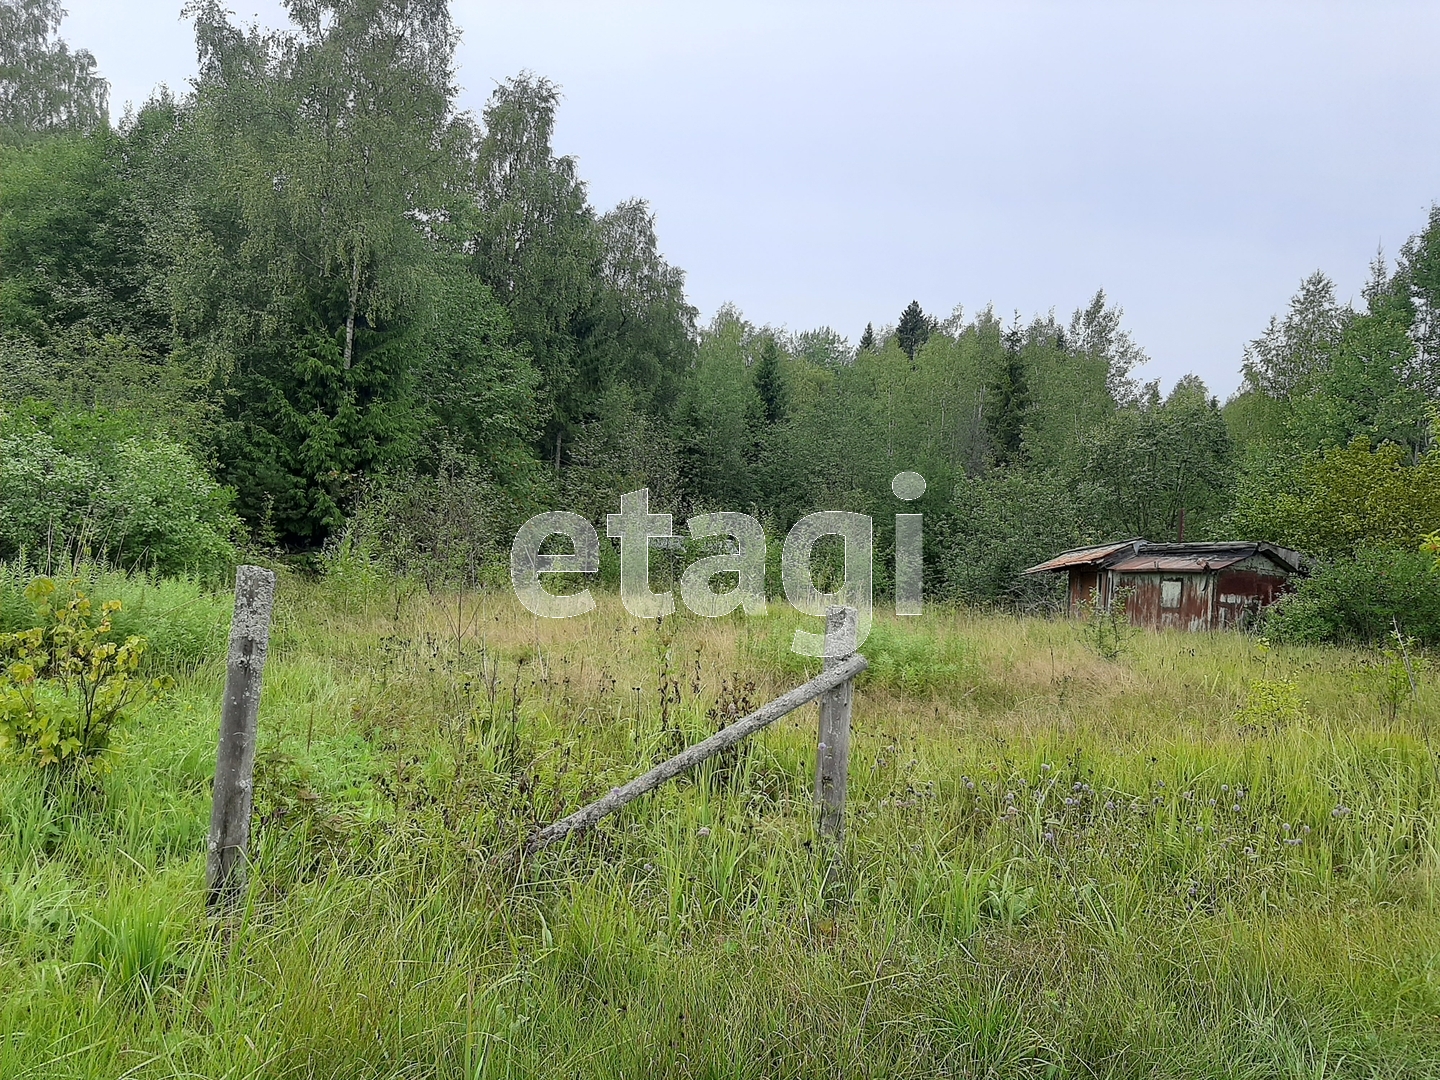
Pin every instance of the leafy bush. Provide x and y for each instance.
(1271, 704)
(1002, 523)
(448, 528)
(1334, 503)
(1361, 599)
(67, 685)
(145, 502)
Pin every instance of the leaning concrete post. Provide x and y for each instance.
(832, 761)
(235, 762)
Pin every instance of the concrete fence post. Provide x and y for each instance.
(234, 794)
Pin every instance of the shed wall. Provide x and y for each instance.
(1147, 606)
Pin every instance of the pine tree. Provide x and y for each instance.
(914, 329)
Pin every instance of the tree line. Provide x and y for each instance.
(340, 310)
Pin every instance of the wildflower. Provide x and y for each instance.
(1340, 811)
(1109, 804)
(1199, 828)
(1293, 841)
(1044, 766)
(1285, 826)
(1071, 802)
(703, 831)
(1049, 838)
(1009, 796)
(1236, 808)
(1249, 851)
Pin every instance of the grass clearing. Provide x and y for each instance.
(1055, 865)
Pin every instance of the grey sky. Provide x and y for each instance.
(825, 163)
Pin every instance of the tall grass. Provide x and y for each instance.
(183, 620)
(1055, 865)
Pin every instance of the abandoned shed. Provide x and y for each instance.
(1177, 586)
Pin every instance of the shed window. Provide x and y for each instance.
(1170, 589)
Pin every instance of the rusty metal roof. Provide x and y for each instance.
(1140, 556)
(1079, 558)
(1179, 563)
(1204, 557)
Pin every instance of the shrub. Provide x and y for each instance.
(1335, 503)
(1361, 599)
(998, 525)
(145, 502)
(1271, 704)
(67, 684)
(446, 529)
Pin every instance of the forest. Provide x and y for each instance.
(309, 306)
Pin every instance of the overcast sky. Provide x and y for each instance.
(823, 163)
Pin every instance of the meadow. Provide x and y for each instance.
(1206, 856)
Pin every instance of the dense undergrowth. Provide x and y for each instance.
(1205, 858)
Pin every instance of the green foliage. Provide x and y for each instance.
(770, 383)
(183, 624)
(1000, 524)
(142, 502)
(913, 329)
(1332, 503)
(1009, 404)
(44, 86)
(1361, 598)
(129, 943)
(901, 659)
(1162, 466)
(67, 685)
(1431, 546)
(914, 662)
(1392, 676)
(720, 413)
(1272, 704)
(451, 528)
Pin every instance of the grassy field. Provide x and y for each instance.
(1205, 857)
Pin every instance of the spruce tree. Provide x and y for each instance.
(914, 329)
(770, 383)
(867, 339)
(1009, 394)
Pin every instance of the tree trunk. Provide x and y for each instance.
(354, 303)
